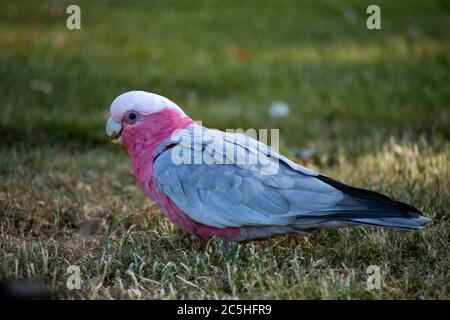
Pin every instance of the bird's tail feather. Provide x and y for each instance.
(360, 206)
(397, 223)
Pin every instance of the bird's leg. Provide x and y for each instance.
(194, 237)
(191, 240)
(228, 245)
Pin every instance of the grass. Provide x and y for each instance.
(372, 107)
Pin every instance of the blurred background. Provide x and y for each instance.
(370, 107)
(226, 62)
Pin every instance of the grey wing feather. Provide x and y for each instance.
(239, 194)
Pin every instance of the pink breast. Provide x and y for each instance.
(141, 143)
(180, 219)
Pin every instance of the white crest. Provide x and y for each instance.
(143, 102)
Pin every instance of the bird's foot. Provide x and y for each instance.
(191, 240)
(228, 246)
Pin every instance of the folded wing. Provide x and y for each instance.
(247, 184)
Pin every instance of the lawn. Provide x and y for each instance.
(369, 108)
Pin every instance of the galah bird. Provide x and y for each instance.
(236, 200)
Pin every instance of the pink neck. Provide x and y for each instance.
(146, 136)
(141, 140)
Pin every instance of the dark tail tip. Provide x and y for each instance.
(399, 208)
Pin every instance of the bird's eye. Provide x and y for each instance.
(132, 117)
